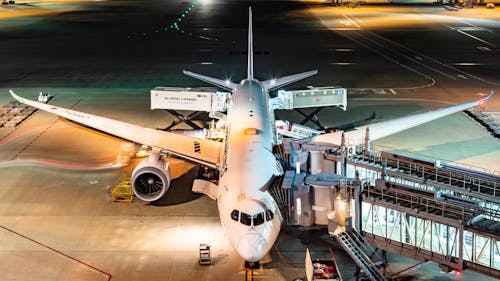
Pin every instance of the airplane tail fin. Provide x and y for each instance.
(272, 84)
(225, 84)
(268, 84)
(250, 46)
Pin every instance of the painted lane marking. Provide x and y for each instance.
(351, 21)
(470, 35)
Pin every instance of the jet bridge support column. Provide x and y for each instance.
(460, 243)
(358, 222)
(367, 141)
(316, 162)
(343, 156)
(358, 201)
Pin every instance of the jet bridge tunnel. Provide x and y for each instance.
(421, 208)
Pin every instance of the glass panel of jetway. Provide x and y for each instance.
(481, 249)
(365, 174)
(430, 235)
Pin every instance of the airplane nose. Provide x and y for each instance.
(252, 247)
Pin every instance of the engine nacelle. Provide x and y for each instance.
(151, 178)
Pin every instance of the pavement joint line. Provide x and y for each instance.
(16, 127)
(472, 36)
(408, 99)
(43, 132)
(432, 83)
(400, 54)
(436, 61)
(351, 21)
(454, 68)
(58, 252)
(19, 125)
(404, 55)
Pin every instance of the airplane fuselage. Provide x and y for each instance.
(248, 213)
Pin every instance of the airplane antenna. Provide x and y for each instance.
(250, 46)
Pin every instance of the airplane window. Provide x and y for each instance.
(258, 219)
(235, 215)
(269, 215)
(246, 219)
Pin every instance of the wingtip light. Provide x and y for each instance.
(482, 101)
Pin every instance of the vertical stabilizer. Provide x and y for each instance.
(250, 46)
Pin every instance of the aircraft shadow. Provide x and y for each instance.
(180, 190)
(356, 123)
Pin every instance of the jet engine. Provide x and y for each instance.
(151, 178)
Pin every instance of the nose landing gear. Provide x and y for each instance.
(249, 267)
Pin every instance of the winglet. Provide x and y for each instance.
(16, 97)
(488, 96)
(250, 46)
(482, 101)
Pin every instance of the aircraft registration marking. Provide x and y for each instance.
(76, 114)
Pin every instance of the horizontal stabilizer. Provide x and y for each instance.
(386, 128)
(228, 85)
(282, 81)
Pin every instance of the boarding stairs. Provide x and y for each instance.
(362, 254)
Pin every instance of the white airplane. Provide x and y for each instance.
(246, 164)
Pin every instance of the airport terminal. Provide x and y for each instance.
(261, 140)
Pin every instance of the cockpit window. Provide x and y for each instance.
(269, 215)
(246, 219)
(235, 214)
(254, 220)
(258, 219)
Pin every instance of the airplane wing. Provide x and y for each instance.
(206, 152)
(386, 128)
